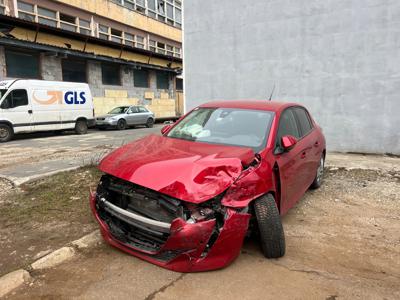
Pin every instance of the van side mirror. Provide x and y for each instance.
(288, 142)
(165, 129)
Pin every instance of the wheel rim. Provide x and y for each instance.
(3, 133)
(320, 170)
(149, 122)
(121, 124)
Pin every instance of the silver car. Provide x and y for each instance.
(124, 116)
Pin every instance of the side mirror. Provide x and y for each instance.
(165, 129)
(288, 142)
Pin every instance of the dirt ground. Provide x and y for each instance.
(43, 215)
(343, 242)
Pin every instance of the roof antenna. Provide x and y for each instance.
(270, 97)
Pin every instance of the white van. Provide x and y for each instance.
(38, 105)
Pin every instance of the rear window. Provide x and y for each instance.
(304, 120)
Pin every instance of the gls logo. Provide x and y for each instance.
(72, 98)
(56, 97)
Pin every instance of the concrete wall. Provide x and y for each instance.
(340, 58)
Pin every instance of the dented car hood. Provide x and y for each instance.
(186, 170)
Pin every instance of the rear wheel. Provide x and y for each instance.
(150, 123)
(6, 133)
(272, 236)
(121, 125)
(81, 127)
(320, 174)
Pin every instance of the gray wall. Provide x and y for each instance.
(341, 58)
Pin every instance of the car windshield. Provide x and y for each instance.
(227, 126)
(119, 110)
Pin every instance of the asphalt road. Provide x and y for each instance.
(33, 155)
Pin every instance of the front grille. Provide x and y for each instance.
(100, 119)
(137, 201)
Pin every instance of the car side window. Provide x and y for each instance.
(287, 126)
(133, 110)
(303, 120)
(142, 109)
(14, 99)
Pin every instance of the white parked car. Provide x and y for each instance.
(38, 105)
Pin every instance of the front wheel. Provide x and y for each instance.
(270, 227)
(6, 133)
(320, 174)
(81, 127)
(121, 125)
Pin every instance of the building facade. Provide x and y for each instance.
(128, 51)
(339, 58)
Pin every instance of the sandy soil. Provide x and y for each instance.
(343, 242)
(44, 215)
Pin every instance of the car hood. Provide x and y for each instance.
(186, 170)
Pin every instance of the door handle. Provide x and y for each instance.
(316, 144)
(30, 111)
(303, 155)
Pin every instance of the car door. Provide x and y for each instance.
(132, 116)
(310, 142)
(17, 109)
(290, 163)
(143, 114)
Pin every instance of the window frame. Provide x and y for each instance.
(10, 94)
(148, 78)
(69, 60)
(277, 146)
(104, 64)
(298, 121)
(31, 53)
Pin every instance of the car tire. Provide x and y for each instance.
(320, 174)
(150, 123)
(121, 125)
(81, 127)
(6, 133)
(272, 236)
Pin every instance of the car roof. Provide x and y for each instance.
(274, 106)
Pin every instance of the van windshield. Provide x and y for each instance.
(2, 92)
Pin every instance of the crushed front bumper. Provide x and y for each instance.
(189, 247)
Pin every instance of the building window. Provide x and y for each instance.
(179, 84)
(22, 64)
(116, 35)
(130, 4)
(103, 32)
(141, 78)
(129, 39)
(110, 74)
(160, 48)
(74, 70)
(2, 7)
(26, 11)
(84, 27)
(139, 42)
(177, 52)
(152, 45)
(162, 80)
(67, 22)
(47, 16)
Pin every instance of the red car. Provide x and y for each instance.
(185, 200)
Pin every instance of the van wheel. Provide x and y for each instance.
(6, 133)
(272, 237)
(121, 125)
(150, 123)
(81, 127)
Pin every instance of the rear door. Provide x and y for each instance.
(132, 116)
(144, 114)
(17, 109)
(310, 144)
(290, 163)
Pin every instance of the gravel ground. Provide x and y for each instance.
(343, 242)
(6, 186)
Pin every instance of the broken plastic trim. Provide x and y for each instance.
(116, 211)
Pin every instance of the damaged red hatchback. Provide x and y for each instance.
(186, 200)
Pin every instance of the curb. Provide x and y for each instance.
(15, 279)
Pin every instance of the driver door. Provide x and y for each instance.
(290, 163)
(17, 109)
(132, 116)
